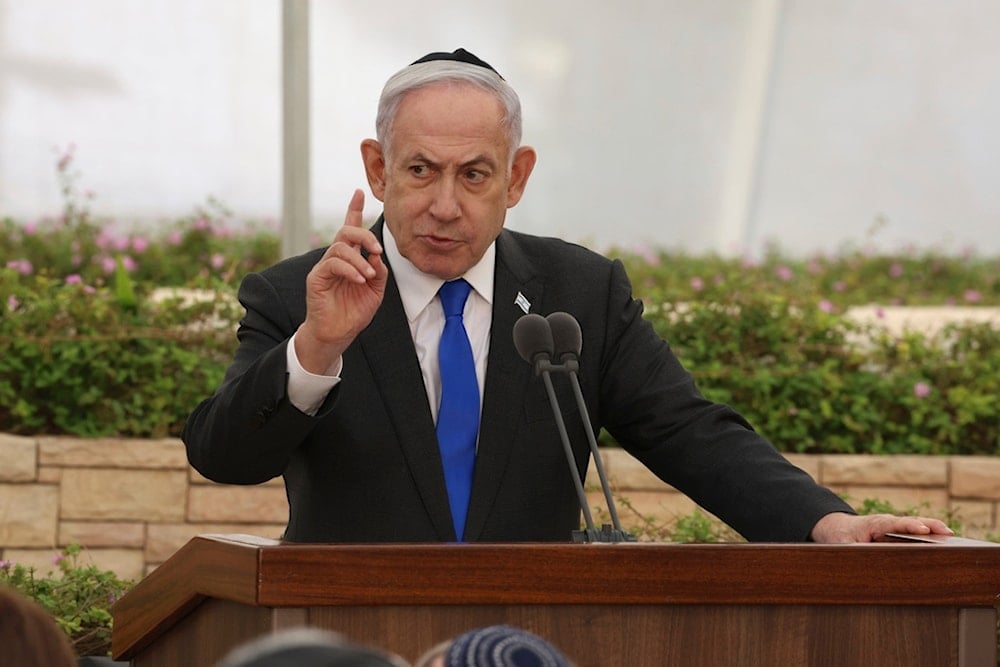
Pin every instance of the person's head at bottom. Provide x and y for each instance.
(495, 646)
(29, 636)
(307, 647)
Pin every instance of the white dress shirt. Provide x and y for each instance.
(418, 292)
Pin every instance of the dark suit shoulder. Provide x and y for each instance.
(527, 253)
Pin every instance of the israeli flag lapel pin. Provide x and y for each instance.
(522, 303)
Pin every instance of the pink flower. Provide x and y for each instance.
(66, 158)
(972, 296)
(12, 303)
(74, 279)
(58, 558)
(826, 306)
(22, 266)
(29, 229)
(697, 284)
(879, 313)
(88, 289)
(718, 279)
(839, 286)
(129, 263)
(175, 238)
(217, 261)
(896, 270)
(814, 267)
(5, 564)
(139, 244)
(921, 390)
(784, 273)
(648, 255)
(108, 264)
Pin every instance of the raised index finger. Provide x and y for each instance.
(355, 209)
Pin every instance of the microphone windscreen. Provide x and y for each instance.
(532, 336)
(567, 338)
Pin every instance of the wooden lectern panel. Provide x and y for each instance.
(604, 604)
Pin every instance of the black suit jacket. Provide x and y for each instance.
(366, 468)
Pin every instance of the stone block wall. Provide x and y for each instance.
(133, 503)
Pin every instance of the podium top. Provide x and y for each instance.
(263, 572)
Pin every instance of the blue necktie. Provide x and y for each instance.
(458, 414)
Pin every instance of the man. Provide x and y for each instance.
(336, 382)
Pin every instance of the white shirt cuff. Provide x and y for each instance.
(306, 390)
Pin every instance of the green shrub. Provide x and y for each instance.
(94, 362)
(815, 381)
(78, 595)
(88, 352)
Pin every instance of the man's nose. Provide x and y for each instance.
(444, 204)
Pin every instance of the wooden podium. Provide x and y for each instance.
(605, 605)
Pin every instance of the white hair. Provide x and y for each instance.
(433, 72)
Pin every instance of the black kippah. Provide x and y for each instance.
(458, 55)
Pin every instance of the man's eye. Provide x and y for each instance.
(475, 175)
(419, 170)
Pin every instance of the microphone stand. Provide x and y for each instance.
(608, 533)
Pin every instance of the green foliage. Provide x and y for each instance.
(88, 352)
(850, 277)
(814, 381)
(78, 595)
(79, 360)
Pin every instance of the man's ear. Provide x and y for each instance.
(374, 161)
(520, 170)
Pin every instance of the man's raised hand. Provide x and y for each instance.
(343, 291)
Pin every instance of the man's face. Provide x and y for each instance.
(445, 182)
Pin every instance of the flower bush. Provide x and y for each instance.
(99, 361)
(78, 595)
(816, 382)
(90, 350)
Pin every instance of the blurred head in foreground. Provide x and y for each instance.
(307, 647)
(495, 646)
(29, 636)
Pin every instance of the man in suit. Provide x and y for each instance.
(336, 383)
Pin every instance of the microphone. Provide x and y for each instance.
(533, 340)
(567, 340)
(538, 340)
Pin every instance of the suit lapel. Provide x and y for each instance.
(507, 376)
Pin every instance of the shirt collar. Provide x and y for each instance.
(417, 289)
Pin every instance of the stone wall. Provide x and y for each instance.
(132, 503)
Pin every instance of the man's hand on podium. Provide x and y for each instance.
(841, 528)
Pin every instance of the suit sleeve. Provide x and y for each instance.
(246, 432)
(653, 407)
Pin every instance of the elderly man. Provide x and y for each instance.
(379, 376)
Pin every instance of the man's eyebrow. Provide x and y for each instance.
(478, 160)
(481, 159)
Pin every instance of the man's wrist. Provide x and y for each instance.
(306, 390)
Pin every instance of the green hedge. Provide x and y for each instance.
(815, 382)
(89, 362)
(87, 351)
